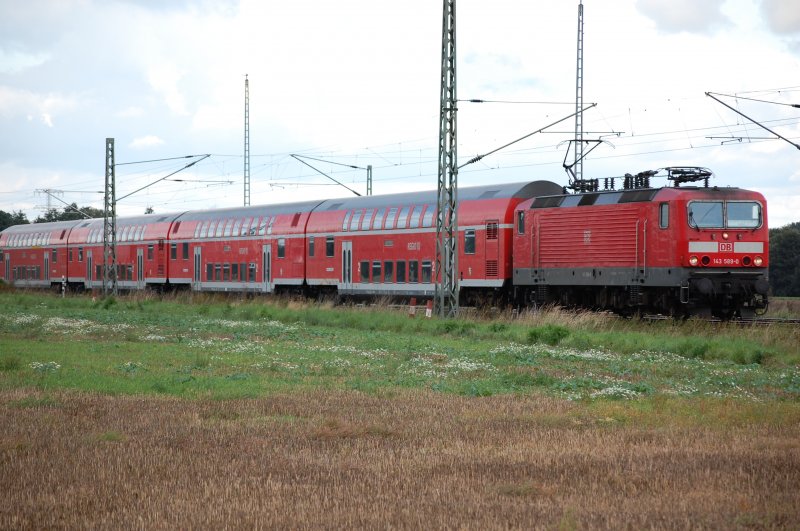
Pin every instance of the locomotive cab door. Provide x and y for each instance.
(197, 275)
(266, 267)
(347, 267)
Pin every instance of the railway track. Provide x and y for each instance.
(751, 321)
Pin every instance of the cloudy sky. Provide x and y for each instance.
(356, 82)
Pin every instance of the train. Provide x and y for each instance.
(677, 250)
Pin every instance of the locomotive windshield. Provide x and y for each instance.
(724, 214)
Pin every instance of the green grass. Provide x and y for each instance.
(201, 346)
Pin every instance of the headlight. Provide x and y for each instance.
(758, 261)
(692, 261)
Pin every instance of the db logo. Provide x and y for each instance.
(726, 247)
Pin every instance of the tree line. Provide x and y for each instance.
(784, 245)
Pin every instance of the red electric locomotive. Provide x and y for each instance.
(680, 251)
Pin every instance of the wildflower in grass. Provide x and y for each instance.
(616, 392)
(131, 367)
(46, 367)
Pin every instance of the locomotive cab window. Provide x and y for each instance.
(663, 215)
(705, 214)
(743, 214)
(520, 222)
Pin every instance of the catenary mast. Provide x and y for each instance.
(446, 300)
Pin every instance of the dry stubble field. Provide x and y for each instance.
(408, 459)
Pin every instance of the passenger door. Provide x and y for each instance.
(88, 279)
(140, 281)
(197, 277)
(266, 267)
(347, 267)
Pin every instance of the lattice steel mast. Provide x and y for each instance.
(446, 300)
(578, 166)
(246, 141)
(110, 224)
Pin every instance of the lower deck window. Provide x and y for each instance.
(388, 271)
(364, 270)
(401, 271)
(426, 270)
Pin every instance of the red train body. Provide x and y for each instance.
(678, 250)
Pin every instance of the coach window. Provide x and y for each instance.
(413, 271)
(262, 227)
(520, 222)
(220, 228)
(271, 223)
(173, 251)
(54, 259)
(311, 247)
(236, 227)
(376, 271)
(388, 271)
(378, 222)
(209, 271)
(426, 271)
(367, 220)
(228, 227)
(70, 255)
(234, 271)
(663, 215)
(150, 251)
(402, 219)
(390, 218)
(329, 246)
(346, 221)
(80, 254)
(469, 241)
(185, 250)
(355, 221)
(226, 272)
(401, 271)
(251, 272)
(281, 247)
(218, 272)
(197, 230)
(364, 269)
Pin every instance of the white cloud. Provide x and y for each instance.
(164, 79)
(145, 142)
(675, 16)
(783, 16)
(14, 61)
